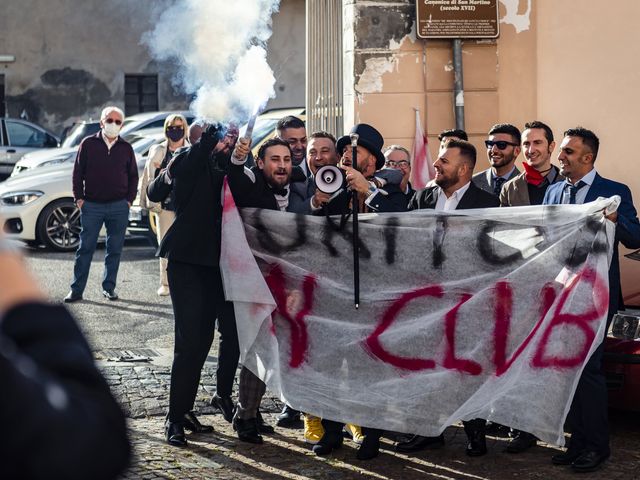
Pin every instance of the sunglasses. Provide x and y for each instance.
(113, 120)
(175, 127)
(400, 163)
(501, 144)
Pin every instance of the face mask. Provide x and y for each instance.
(111, 130)
(175, 134)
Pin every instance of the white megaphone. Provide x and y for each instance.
(330, 179)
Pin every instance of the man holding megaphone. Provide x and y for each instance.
(378, 190)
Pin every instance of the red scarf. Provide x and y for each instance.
(533, 176)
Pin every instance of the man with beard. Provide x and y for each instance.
(371, 197)
(503, 148)
(529, 187)
(192, 248)
(293, 131)
(378, 190)
(267, 185)
(454, 190)
(587, 417)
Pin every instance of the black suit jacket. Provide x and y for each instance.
(474, 197)
(258, 194)
(59, 417)
(197, 182)
(394, 201)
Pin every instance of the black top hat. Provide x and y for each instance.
(369, 138)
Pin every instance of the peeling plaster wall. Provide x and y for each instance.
(389, 73)
(380, 49)
(71, 56)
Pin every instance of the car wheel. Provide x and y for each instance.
(59, 227)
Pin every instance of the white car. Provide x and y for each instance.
(37, 205)
(18, 137)
(140, 144)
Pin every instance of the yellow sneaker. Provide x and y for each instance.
(355, 432)
(313, 430)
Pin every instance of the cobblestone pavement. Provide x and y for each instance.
(141, 324)
(143, 393)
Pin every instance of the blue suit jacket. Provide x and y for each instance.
(627, 226)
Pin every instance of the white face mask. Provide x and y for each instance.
(111, 130)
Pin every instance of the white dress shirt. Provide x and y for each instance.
(451, 203)
(581, 194)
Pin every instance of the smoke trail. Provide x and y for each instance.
(220, 47)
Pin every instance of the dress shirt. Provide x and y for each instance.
(581, 194)
(450, 203)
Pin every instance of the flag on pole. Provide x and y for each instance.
(421, 164)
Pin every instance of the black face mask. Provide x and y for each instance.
(175, 134)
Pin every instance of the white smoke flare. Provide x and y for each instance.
(220, 46)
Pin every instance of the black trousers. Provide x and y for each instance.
(198, 300)
(588, 416)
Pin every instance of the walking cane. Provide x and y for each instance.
(356, 238)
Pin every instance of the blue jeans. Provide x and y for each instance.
(115, 217)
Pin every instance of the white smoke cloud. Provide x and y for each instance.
(220, 46)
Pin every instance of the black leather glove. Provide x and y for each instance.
(211, 136)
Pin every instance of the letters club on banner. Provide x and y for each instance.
(488, 313)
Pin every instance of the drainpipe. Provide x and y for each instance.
(458, 88)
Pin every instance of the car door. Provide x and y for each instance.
(3, 150)
(22, 138)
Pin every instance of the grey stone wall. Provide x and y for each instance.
(71, 56)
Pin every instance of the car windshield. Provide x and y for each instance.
(78, 133)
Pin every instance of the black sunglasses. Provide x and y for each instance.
(175, 127)
(111, 120)
(501, 144)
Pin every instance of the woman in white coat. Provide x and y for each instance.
(176, 133)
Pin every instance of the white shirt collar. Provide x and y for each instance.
(588, 178)
(451, 203)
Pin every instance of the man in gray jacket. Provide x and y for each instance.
(503, 148)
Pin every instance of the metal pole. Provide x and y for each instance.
(356, 236)
(458, 88)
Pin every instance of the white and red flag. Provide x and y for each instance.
(422, 170)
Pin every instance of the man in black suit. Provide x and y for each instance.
(454, 190)
(59, 418)
(589, 444)
(378, 191)
(374, 197)
(192, 248)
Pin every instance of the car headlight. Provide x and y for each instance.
(57, 160)
(19, 198)
(626, 327)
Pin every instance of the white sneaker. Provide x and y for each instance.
(163, 291)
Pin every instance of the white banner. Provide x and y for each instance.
(487, 313)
